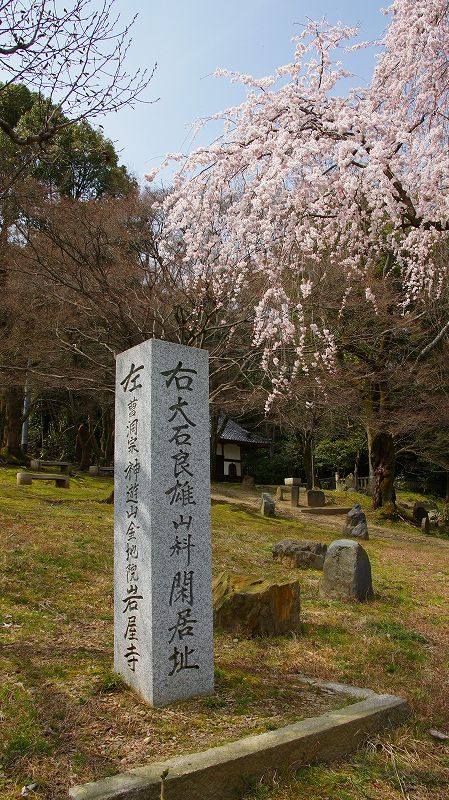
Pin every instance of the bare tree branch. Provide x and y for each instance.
(74, 59)
(426, 350)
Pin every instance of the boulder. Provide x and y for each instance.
(249, 606)
(315, 498)
(355, 523)
(421, 509)
(248, 482)
(346, 572)
(267, 506)
(300, 554)
(282, 493)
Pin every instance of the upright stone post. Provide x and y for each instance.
(162, 548)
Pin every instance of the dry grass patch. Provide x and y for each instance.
(66, 718)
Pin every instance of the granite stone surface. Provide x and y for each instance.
(162, 547)
(346, 572)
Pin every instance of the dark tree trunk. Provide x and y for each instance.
(107, 436)
(371, 480)
(83, 448)
(383, 460)
(308, 459)
(13, 421)
(213, 446)
(356, 469)
(2, 417)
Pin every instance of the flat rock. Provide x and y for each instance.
(302, 554)
(355, 523)
(346, 572)
(249, 606)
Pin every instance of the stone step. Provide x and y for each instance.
(327, 511)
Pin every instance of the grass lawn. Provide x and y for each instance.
(65, 718)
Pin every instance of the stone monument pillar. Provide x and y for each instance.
(162, 549)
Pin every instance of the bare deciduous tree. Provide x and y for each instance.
(86, 280)
(74, 57)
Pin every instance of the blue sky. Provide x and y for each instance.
(191, 38)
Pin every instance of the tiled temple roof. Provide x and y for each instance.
(233, 432)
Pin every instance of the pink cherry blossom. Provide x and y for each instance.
(303, 175)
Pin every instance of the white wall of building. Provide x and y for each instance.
(231, 451)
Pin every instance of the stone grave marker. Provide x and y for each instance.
(294, 500)
(316, 498)
(267, 506)
(162, 550)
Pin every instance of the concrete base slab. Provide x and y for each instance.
(221, 773)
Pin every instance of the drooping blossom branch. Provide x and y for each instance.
(303, 176)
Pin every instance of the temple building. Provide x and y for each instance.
(231, 450)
